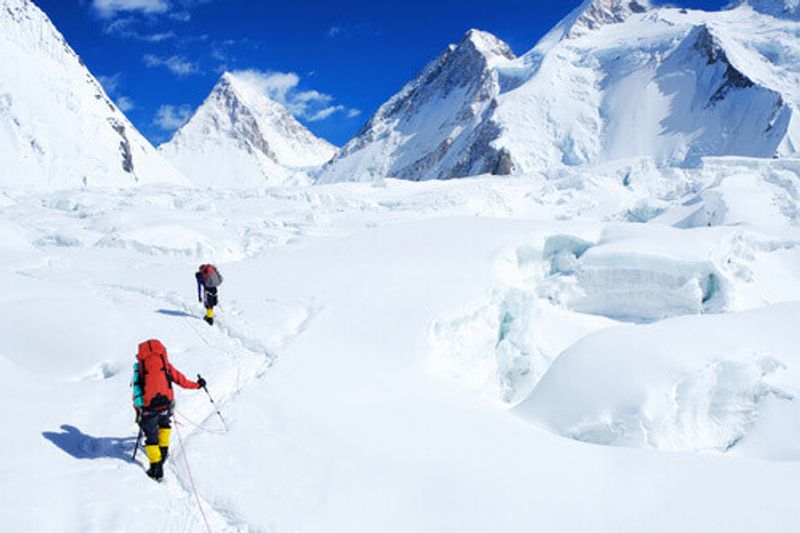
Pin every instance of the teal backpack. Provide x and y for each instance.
(136, 383)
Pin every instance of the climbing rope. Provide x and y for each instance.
(191, 478)
(199, 426)
(216, 346)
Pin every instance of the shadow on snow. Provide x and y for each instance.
(175, 312)
(81, 446)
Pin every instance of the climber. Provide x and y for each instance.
(208, 279)
(153, 400)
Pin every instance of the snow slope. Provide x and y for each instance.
(414, 357)
(58, 128)
(239, 137)
(438, 125)
(614, 80)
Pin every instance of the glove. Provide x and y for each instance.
(138, 416)
(200, 299)
(201, 382)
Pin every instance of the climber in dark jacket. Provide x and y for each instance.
(208, 279)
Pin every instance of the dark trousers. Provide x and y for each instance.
(151, 422)
(210, 297)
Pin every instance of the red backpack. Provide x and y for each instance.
(211, 276)
(155, 376)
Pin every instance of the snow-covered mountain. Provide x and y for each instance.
(593, 14)
(614, 80)
(58, 128)
(437, 126)
(240, 137)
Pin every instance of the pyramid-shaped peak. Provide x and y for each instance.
(486, 43)
(593, 14)
(241, 85)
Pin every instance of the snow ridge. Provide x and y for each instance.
(593, 14)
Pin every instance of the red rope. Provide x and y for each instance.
(198, 426)
(191, 478)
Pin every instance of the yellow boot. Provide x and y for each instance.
(163, 443)
(156, 470)
(209, 316)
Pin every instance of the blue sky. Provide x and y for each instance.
(333, 62)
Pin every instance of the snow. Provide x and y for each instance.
(708, 384)
(605, 346)
(58, 128)
(411, 356)
(614, 80)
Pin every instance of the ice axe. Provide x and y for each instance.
(138, 441)
(214, 404)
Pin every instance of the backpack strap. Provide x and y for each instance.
(164, 369)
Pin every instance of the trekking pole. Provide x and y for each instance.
(215, 406)
(138, 440)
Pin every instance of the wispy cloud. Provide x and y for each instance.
(353, 113)
(112, 8)
(326, 112)
(310, 105)
(170, 117)
(178, 65)
(125, 104)
(355, 30)
(123, 28)
(111, 84)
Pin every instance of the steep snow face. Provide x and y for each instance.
(700, 102)
(437, 126)
(596, 13)
(666, 84)
(593, 14)
(58, 128)
(240, 137)
(614, 80)
(777, 8)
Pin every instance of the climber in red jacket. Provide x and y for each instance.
(154, 400)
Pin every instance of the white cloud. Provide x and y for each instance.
(324, 113)
(353, 113)
(334, 31)
(110, 83)
(111, 8)
(282, 87)
(125, 104)
(178, 65)
(170, 117)
(276, 85)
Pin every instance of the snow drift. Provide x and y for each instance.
(715, 383)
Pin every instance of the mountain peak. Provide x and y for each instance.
(486, 44)
(242, 89)
(239, 133)
(594, 14)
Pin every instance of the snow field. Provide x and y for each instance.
(357, 324)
